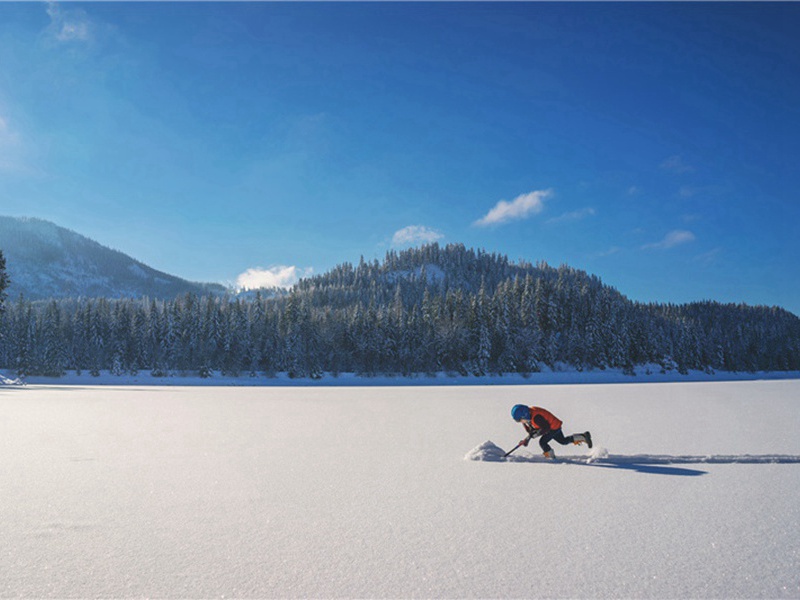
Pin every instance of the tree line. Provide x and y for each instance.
(421, 311)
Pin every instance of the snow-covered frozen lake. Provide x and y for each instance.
(262, 492)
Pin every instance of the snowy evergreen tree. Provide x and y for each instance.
(4, 281)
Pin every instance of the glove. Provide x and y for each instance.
(525, 441)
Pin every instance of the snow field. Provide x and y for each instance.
(365, 492)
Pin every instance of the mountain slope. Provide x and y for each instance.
(48, 261)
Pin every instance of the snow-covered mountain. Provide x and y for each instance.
(44, 260)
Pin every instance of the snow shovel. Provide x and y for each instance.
(522, 443)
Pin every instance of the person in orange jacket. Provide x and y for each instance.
(540, 422)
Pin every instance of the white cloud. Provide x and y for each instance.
(611, 251)
(709, 258)
(672, 239)
(279, 276)
(7, 137)
(415, 234)
(72, 25)
(676, 164)
(12, 151)
(520, 207)
(575, 215)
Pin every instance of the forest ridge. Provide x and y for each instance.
(423, 310)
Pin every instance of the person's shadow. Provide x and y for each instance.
(652, 464)
(655, 464)
(645, 467)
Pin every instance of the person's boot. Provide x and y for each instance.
(550, 454)
(580, 438)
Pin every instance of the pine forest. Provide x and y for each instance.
(427, 310)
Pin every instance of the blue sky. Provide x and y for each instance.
(655, 145)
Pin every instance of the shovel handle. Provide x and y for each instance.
(528, 439)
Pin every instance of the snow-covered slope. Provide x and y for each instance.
(48, 261)
(365, 492)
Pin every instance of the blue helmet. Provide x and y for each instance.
(520, 411)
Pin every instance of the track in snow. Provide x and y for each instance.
(650, 463)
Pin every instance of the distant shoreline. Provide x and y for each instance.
(566, 376)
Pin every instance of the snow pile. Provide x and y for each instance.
(8, 381)
(598, 453)
(487, 451)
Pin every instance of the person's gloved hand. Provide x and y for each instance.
(525, 441)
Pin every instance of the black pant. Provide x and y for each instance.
(555, 435)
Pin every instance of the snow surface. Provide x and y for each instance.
(375, 492)
(561, 375)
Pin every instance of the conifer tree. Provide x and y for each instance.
(4, 281)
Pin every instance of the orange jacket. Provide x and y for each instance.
(544, 416)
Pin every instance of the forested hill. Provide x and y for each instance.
(426, 310)
(485, 313)
(439, 271)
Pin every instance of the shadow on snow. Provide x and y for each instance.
(654, 464)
